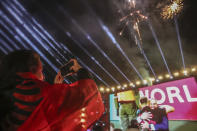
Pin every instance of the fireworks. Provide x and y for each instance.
(133, 18)
(169, 11)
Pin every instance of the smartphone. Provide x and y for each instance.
(66, 68)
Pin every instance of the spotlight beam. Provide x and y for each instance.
(95, 44)
(3, 50)
(24, 15)
(60, 27)
(6, 45)
(40, 30)
(110, 35)
(28, 41)
(36, 35)
(17, 38)
(93, 58)
(9, 40)
(84, 65)
(179, 41)
(159, 47)
(143, 53)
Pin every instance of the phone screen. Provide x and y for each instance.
(66, 68)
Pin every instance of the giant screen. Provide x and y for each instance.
(180, 94)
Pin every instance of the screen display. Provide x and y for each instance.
(174, 94)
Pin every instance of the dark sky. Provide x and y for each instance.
(81, 26)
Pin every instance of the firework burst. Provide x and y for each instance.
(133, 18)
(169, 11)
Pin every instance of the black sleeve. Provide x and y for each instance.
(83, 74)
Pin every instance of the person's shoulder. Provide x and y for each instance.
(41, 83)
(146, 108)
(162, 111)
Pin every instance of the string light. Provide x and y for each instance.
(176, 74)
(167, 76)
(152, 79)
(171, 77)
(145, 82)
(160, 77)
(193, 69)
(138, 82)
(185, 72)
(102, 89)
(131, 84)
(113, 88)
(108, 90)
(125, 85)
(119, 87)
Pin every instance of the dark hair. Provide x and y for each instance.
(143, 100)
(17, 61)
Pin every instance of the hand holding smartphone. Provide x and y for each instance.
(65, 69)
(71, 67)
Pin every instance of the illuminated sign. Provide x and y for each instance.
(181, 94)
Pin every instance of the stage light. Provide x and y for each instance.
(131, 84)
(101, 89)
(107, 89)
(185, 72)
(138, 82)
(167, 76)
(119, 87)
(152, 79)
(145, 82)
(160, 77)
(113, 88)
(176, 74)
(125, 85)
(157, 80)
(193, 69)
(171, 77)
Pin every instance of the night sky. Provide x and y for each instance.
(89, 31)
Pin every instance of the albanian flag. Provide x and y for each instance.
(66, 107)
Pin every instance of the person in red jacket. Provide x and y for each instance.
(30, 104)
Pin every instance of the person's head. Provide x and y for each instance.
(21, 61)
(144, 102)
(153, 103)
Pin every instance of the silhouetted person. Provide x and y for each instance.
(30, 104)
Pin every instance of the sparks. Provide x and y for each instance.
(133, 18)
(169, 11)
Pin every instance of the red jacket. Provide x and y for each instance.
(63, 107)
